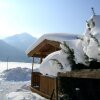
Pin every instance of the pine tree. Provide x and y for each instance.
(86, 59)
(85, 56)
(61, 66)
(95, 39)
(89, 60)
(69, 52)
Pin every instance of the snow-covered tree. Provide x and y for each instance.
(66, 50)
(91, 47)
(74, 54)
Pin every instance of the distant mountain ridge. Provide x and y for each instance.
(14, 47)
(20, 41)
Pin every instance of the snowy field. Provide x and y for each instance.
(16, 90)
(3, 65)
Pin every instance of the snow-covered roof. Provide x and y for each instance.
(55, 37)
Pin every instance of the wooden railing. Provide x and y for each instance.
(35, 80)
(45, 85)
(48, 85)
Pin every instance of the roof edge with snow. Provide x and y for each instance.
(48, 43)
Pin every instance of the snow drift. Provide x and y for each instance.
(17, 74)
(15, 86)
(54, 63)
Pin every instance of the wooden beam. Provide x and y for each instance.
(86, 73)
(55, 44)
(38, 49)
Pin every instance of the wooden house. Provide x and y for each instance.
(75, 85)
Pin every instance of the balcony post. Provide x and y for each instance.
(41, 60)
(32, 64)
(32, 72)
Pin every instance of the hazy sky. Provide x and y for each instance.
(38, 17)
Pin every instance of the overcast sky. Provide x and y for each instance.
(38, 17)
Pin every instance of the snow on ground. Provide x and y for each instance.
(17, 91)
(17, 74)
(24, 95)
(13, 87)
(3, 65)
(8, 86)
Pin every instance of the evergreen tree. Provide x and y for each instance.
(95, 39)
(69, 52)
(55, 60)
(86, 59)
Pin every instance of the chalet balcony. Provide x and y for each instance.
(43, 85)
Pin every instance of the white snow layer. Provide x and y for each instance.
(17, 91)
(60, 37)
(53, 64)
(58, 62)
(94, 28)
(91, 39)
(15, 88)
(91, 48)
(17, 74)
(78, 52)
(24, 95)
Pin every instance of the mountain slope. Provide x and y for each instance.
(20, 41)
(14, 54)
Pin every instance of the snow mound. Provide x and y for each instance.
(54, 63)
(17, 74)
